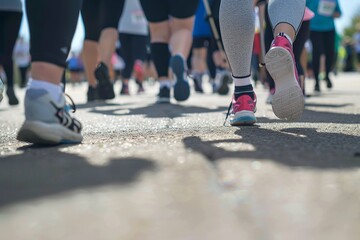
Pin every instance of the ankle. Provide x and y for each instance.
(244, 90)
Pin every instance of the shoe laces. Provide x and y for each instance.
(228, 113)
(71, 104)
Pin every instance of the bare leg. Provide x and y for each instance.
(107, 43)
(181, 36)
(46, 72)
(90, 58)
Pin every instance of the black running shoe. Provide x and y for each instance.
(328, 83)
(105, 87)
(12, 97)
(92, 94)
(181, 87)
(164, 95)
(224, 80)
(198, 83)
(124, 89)
(317, 88)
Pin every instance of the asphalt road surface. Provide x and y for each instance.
(174, 172)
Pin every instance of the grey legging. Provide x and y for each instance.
(237, 25)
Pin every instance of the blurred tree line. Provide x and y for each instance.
(350, 30)
(349, 61)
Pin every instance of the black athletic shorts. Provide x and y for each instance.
(160, 10)
(100, 14)
(201, 42)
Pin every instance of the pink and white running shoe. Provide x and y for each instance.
(243, 110)
(288, 100)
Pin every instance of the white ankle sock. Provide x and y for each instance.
(242, 81)
(54, 90)
(165, 83)
(287, 36)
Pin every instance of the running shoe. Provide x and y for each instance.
(140, 87)
(288, 100)
(139, 70)
(164, 95)
(105, 86)
(198, 83)
(124, 89)
(48, 122)
(329, 84)
(181, 87)
(92, 94)
(11, 96)
(222, 81)
(317, 88)
(242, 111)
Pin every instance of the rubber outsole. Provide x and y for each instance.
(243, 118)
(288, 100)
(47, 134)
(181, 87)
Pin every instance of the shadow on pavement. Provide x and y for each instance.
(313, 116)
(174, 111)
(158, 110)
(38, 172)
(293, 147)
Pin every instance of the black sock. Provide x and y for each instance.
(160, 54)
(244, 90)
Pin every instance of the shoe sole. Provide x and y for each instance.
(181, 87)
(163, 100)
(243, 118)
(288, 100)
(224, 85)
(47, 134)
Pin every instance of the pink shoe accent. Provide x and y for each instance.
(243, 110)
(244, 103)
(139, 70)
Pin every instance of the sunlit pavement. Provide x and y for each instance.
(174, 172)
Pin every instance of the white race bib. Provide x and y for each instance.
(326, 7)
(138, 18)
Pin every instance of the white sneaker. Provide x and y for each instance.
(47, 122)
(288, 100)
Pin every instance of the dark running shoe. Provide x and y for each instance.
(329, 84)
(181, 87)
(11, 96)
(124, 89)
(222, 80)
(105, 87)
(198, 83)
(164, 95)
(92, 94)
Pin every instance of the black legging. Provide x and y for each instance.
(133, 47)
(9, 30)
(323, 43)
(23, 73)
(298, 45)
(52, 24)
